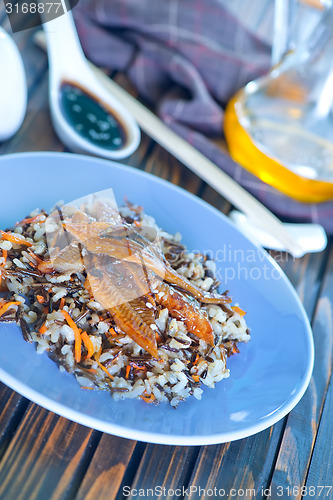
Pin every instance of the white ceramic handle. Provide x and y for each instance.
(311, 237)
(63, 45)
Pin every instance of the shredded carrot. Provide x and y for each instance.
(88, 343)
(14, 239)
(138, 367)
(90, 370)
(196, 378)
(30, 220)
(40, 299)
(77, 335)
(87, 388)
(113, 332)
(238, 310)
(128, 369)
(104, 370)
(35, 257)
(196, 360)
(7, 305)
(148, 399)
(62, 303)
(137, 223)
(43, 329)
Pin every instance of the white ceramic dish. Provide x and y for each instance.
(268, 376)
(68, 64)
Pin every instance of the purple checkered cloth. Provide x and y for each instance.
(187, 58)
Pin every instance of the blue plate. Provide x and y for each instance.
(268, 376)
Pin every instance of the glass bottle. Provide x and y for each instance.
(280, 127)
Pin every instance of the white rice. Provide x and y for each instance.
(118, 364)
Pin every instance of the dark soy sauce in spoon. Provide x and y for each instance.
(90, 119)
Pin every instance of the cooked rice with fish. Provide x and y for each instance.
(162, 346)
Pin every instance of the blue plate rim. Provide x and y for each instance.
(147, 436)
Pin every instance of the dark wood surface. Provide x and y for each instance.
(44, 456)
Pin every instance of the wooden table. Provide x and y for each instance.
(44, 456)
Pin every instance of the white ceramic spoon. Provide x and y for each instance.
(13, 87)
(68, 65)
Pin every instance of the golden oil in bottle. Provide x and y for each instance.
(280, 127)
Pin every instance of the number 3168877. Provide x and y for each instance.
(33, 8)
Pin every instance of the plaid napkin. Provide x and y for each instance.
(187, 58)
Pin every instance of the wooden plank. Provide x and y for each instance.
(239, 469)
(162, 470)
(164, 165)
(319, 482)
(209, 194)
(12, 407)
(301, 430)
(107, 469)
(305, 275)
(46, 458)
(139, 157)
